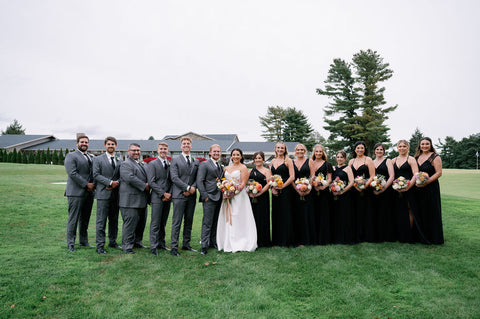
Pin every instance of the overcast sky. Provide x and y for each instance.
(135, 69)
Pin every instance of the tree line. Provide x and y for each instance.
(55, 157)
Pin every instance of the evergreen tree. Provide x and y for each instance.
(14, 128)
(61, 158)
(24, 157)
(31, 157)
(448, 152)
(341, 114)
(55, 157)
(414, 140)
(14, 156)
(1, 155)
(48, 156)
(297, 128)
(273, 122)
(38, 157)
(43, 158)
(356, 111)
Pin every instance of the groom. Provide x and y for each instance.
(209, 172)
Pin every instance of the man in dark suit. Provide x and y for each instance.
(209, 173)
(106, 172)
(158, 172)
(133, 195)
(184, 177)
(80, 192)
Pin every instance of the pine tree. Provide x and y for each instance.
(15, 128)
(414, 140)
(48, 156)
(31, 157)
(61, 158)
(356, 111)
(55, 157)
(273, 122)
(297, 128)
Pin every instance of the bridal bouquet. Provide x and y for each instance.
(275, 181)
(400, 183)
(421, 178)
(253, 187)
(228, 187)
(360, 182)
(378, 182)
(337, 186)
(303, 185)
(319, 180)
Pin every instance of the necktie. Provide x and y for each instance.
(90, 177)
(113, 161)
(188, 160)
(218, 168)
(165, 164)
(143, 169)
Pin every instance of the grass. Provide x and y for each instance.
(40, 278)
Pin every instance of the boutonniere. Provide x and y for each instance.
(117, 158)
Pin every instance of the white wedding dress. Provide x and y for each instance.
(236, 230)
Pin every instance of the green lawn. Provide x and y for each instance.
(40, 278)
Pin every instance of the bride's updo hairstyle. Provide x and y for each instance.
(240, 151)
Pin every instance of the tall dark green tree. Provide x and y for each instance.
(14, 128)
(371, 72)
(288, 125)
(273, 123)
(48, 156)
(341, 114)
(448, 152)
(297, 128)
(414, 140)
(357, 109)
(55, 157)
(31, 157)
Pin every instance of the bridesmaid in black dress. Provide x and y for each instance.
(321, 196)
(303, 220)
(383, 198)
(344, 229)
(282, 227)
(428, 194)
(405, 203)
(261, 204)
(362, 165)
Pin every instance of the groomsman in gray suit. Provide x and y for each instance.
(133, 195)
(106, 172)
(80, 192)
(209, 172)
(184, 177)
(158, 172)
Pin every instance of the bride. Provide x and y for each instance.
(236, 230)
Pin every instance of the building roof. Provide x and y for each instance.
(10, 141)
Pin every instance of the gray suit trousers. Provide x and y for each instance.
(79, 211)
(183, 208)
(134, 220)
(159, 219)
(211, 210)
(107, 209)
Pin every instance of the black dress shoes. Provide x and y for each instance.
(139, 245)
(101, 250)
(114, 245)
(189, 248)
(86, 245)
(164, 248)
(71, 248)
(204, 251)
(129, 251)
(154, 251)
(175, 253)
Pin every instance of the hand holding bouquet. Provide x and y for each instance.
(253, 187)
(228, 188)
(400, 183)
(378, 182)
(276, 183)
(360, 182)
(303, 186)
(421, 178)
(337, 186)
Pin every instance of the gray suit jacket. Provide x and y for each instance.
(207, 177)
(79, 173)
(132, 185)
(159, 180)
(103, 174)
(183, 175)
